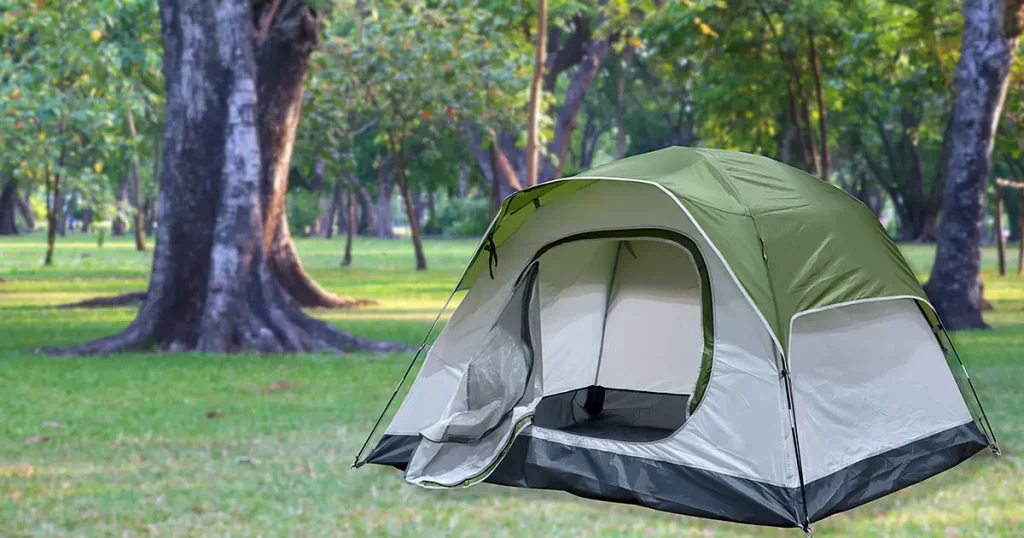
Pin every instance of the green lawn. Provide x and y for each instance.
(186, 445)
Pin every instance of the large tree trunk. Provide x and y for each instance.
(282, 60)
(991, 29)
(211, 288)
(25, 208)
(9, 209)
(532, 149)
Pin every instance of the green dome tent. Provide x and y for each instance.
(698, 331)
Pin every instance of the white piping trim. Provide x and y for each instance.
(792, 320)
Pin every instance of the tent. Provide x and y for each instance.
(697, 331)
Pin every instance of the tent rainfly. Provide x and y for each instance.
(697, 331)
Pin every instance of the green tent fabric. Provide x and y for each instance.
(793, 242)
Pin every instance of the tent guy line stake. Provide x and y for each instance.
(356, 463)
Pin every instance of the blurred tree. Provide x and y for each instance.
(989, 41)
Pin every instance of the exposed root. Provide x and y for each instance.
(125, 299)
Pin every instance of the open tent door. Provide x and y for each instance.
(494, 401)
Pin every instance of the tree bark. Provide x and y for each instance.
(86, 220)
(211, 288)
(9, 209)
(332, 212)
(367, 212)
(565, 123)
(384, 221)
(25, 208)
(620, 104)
(53, 200)
(990, 33)
(139, 227)
(282, 60)
(826, 157)
(410, 207)
(118, 225)
(532, 149)
(350, 229)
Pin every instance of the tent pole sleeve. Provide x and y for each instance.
(794, 431)
(359, 461)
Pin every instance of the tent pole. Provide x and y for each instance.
(357, 463)
(796, 445)
(974, 392)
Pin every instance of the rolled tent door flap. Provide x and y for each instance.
(493, 403)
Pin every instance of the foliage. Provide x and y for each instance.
(463, 217)
(303, 210)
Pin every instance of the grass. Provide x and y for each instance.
(189, 445)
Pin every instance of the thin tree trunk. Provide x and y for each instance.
(53, 201)
(463, 179)
(332, 212)
(410, 209)
(532, 149)
(620, 104)
(384, 219)
(211, 288)
(826, 157)
(1000, 239)
(350, 231)
(9, 209)
(990, 33)
(140, 232)
(118, 225)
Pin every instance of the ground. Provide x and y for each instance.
(187, 445)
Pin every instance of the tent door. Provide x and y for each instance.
(494, 401)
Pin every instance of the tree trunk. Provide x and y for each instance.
(620, 104)
(991, 29)
(211, 288)
(9, 209)
(282, 60)
(136, 188)
(532, 150)
(350, 228)
(367, 213)
(118, 225)
(25, 208)
(410, 209)
(384, 219)
(332, 212)
(826, 156)
(53, 202)
(463, 179)
(579, 84)
(86, 220)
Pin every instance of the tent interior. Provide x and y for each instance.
(621, 328)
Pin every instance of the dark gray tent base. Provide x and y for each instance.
(594, 474)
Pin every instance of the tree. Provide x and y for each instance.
(991, 31)
(212, 287)
(535, 94)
